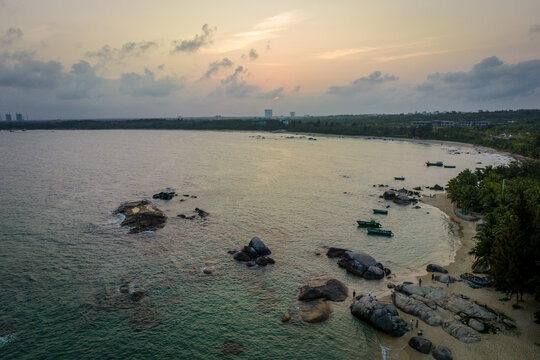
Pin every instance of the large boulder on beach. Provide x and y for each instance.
(389, 195)
(324, 287)
(441, 352)
(420, 344)
(336, 252)
(259, 246)
(141, 215)
(362, 264)
(410, 305)
(436, 268)
(445, 279)
(381, 315)
(461, 332)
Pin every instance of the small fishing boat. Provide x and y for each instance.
(380, 232)
(379, 211)
(450, 166)
(399, 178)
(438, 163)
(368, 224)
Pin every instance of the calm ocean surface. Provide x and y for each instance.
(63, 255)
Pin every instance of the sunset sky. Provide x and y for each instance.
(106, 58)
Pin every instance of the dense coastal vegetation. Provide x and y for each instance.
(508, 241)
(513, 131)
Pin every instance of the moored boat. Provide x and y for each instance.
(450, 166)
(437, 163)
(379, 211)
(368, 224)
(399, 178)
(380, 232)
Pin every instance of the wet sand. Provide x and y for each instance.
(521, 343)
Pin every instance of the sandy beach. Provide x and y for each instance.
(521, 343)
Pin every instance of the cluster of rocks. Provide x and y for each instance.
(380, 185)
(164, 195)
(141, 215)
(436, 187)
(458, 315)
(401, 196)
(197, 212)
(256, 253)
(359, 263)
(313, 306)
(423, 345)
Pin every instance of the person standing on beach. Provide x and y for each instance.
(420, 282)
(411, 324)
(354, 294)
(447, 282)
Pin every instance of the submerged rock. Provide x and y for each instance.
(324, 287)
(144, 317)
(381, 315)
(315, 311)
(286, 317)
(231, 347)
(336, 252)
(420, 344)
(256, 253)
(141, 215)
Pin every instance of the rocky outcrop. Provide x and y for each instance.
(359, 263)
(441, 352)
(141, 215)
(164, 195)
(437, 187)
(436, 268)
(458, 315)
(197, 212)
(420, 344)
(256, 253)
(389, 195)
(324, 287)
(380, 315)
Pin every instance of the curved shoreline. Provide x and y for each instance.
(519, 343)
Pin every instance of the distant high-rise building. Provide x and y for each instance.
(267, 113)
(8, 117)
(18, 117)
(293, 114)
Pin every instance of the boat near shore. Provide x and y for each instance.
(437, 163)
(399, 178)
(449, 166)
(368, 224)
(380, 232)
(380, 211)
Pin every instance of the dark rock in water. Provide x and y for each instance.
(402, 199)
(390, 286)
(441, 352)
(141, 216)
(137, 295)
(230, 347)
(286, 316)
(324, 287)
(437, 187)
(124, 288)
(251, 252)
(201, 212)
(418, 188)
(259, 246)
(232, 252)
(362, 264)
(336, 252)
(262, 261)
(389, 195)
(164, 195)
(380, 315)
(251, 263)
(315, 311)
(420, 344)
(436, 268)
(241, 256)
(270, 260)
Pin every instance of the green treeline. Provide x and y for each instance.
(508, 242)
(513, 131)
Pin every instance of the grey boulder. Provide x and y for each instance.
(436, 268)
(324, 287)
(380, 315)
(420, 344)
(441, 352)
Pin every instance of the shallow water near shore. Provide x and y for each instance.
(64, 256)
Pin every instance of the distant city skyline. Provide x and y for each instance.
(103, 59)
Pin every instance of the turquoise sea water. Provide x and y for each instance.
(63, 255)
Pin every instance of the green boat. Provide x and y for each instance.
(380, 232)
(399, 178)
(438, 163)
(382, 212)
(368, 224)
(450, 166)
